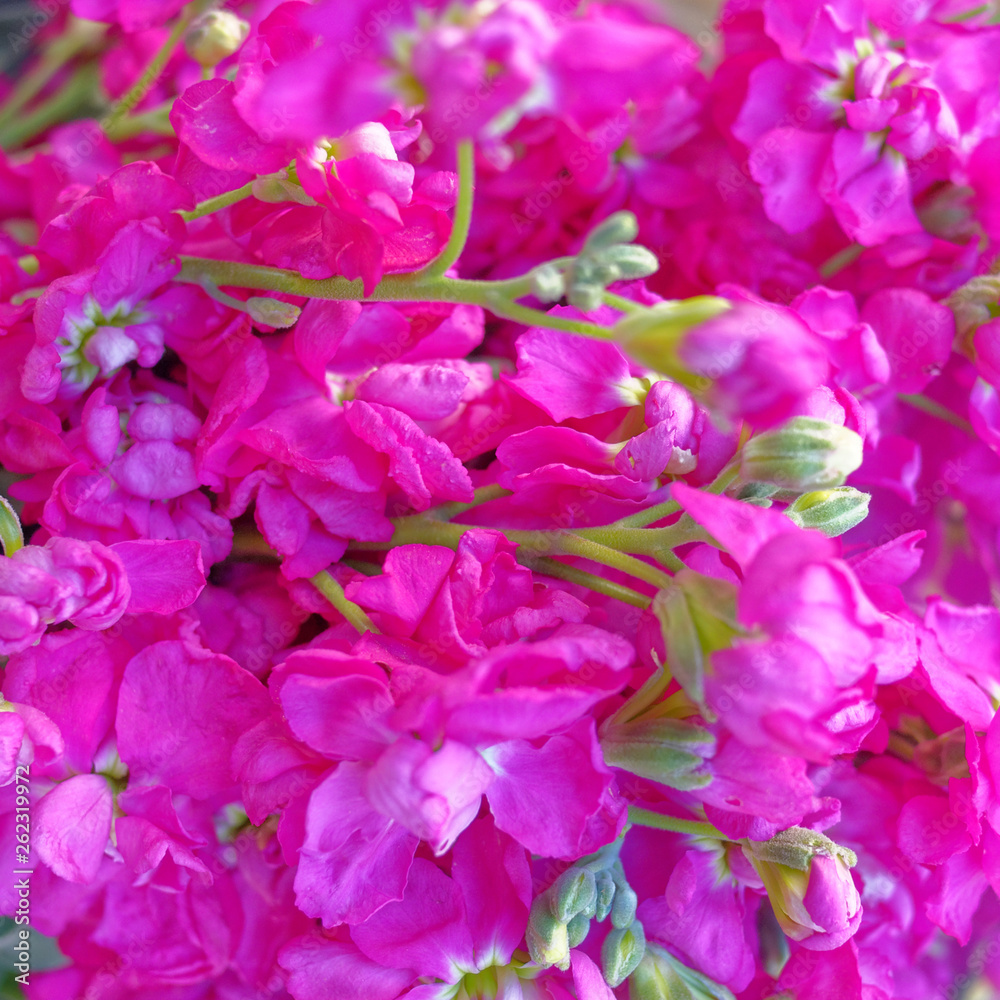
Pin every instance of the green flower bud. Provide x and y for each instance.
(659, 976)
(547, 283)
(652, 336)
(795, 848)
(619, 227)
(698, 616)
(805, 454)
(621, 952)
(669, 751)
(831, 511)
(586, 297)
(214, 36)
(787, 865)
(547, 937)
(272, 312)
(578, 929)
(279, 187)
(572, 893)
(628, 262)
(624, 906)
(605, 895)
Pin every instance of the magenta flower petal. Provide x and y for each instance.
(71, 826)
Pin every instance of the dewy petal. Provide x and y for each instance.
(70, 826)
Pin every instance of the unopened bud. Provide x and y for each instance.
(653, 336)
(578, 929)
(215, 36)
(698, 616)
(619, 227)
(272, 312)
(625, 904)
(586, 297)
(547, 283)
(831, 511)
(547, 938)
(660, 976)
(605, 895)
(669, 751)
(572, 893)
(804, 454)
(621, 952)
(29, 263)
(279, 187)
(628, 262)
(803, 872)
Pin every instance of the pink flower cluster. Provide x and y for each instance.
(506, 501)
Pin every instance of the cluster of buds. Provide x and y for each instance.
(607, 256)
(594, 888)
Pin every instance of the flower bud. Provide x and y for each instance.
(279, 187)
(628, 262)
(605, 895)
(653, 336)
(831, 511)
(619, 227)
(626, 901)
(272, 312)
(572, 893)
(660, 976)
(547, 938)
(804, 454)
(578, 929)
(547, 283)
(698, 616)
(808, 880)
(215, 36)
(669, 751)
(621, 952)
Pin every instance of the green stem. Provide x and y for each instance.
(661, 510)
(393, 288)
(334, 593)
(220, 201)
(546, 566)
(622, 304)
(11, 535)
(449, 511)
(536, 317)
(646, 817)
(647, 541)
(59, 52)
(421, 530)
(157, 121)
(151, 73)
(919, 402)
(61, 106)
(840, 260)
(463, 212)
